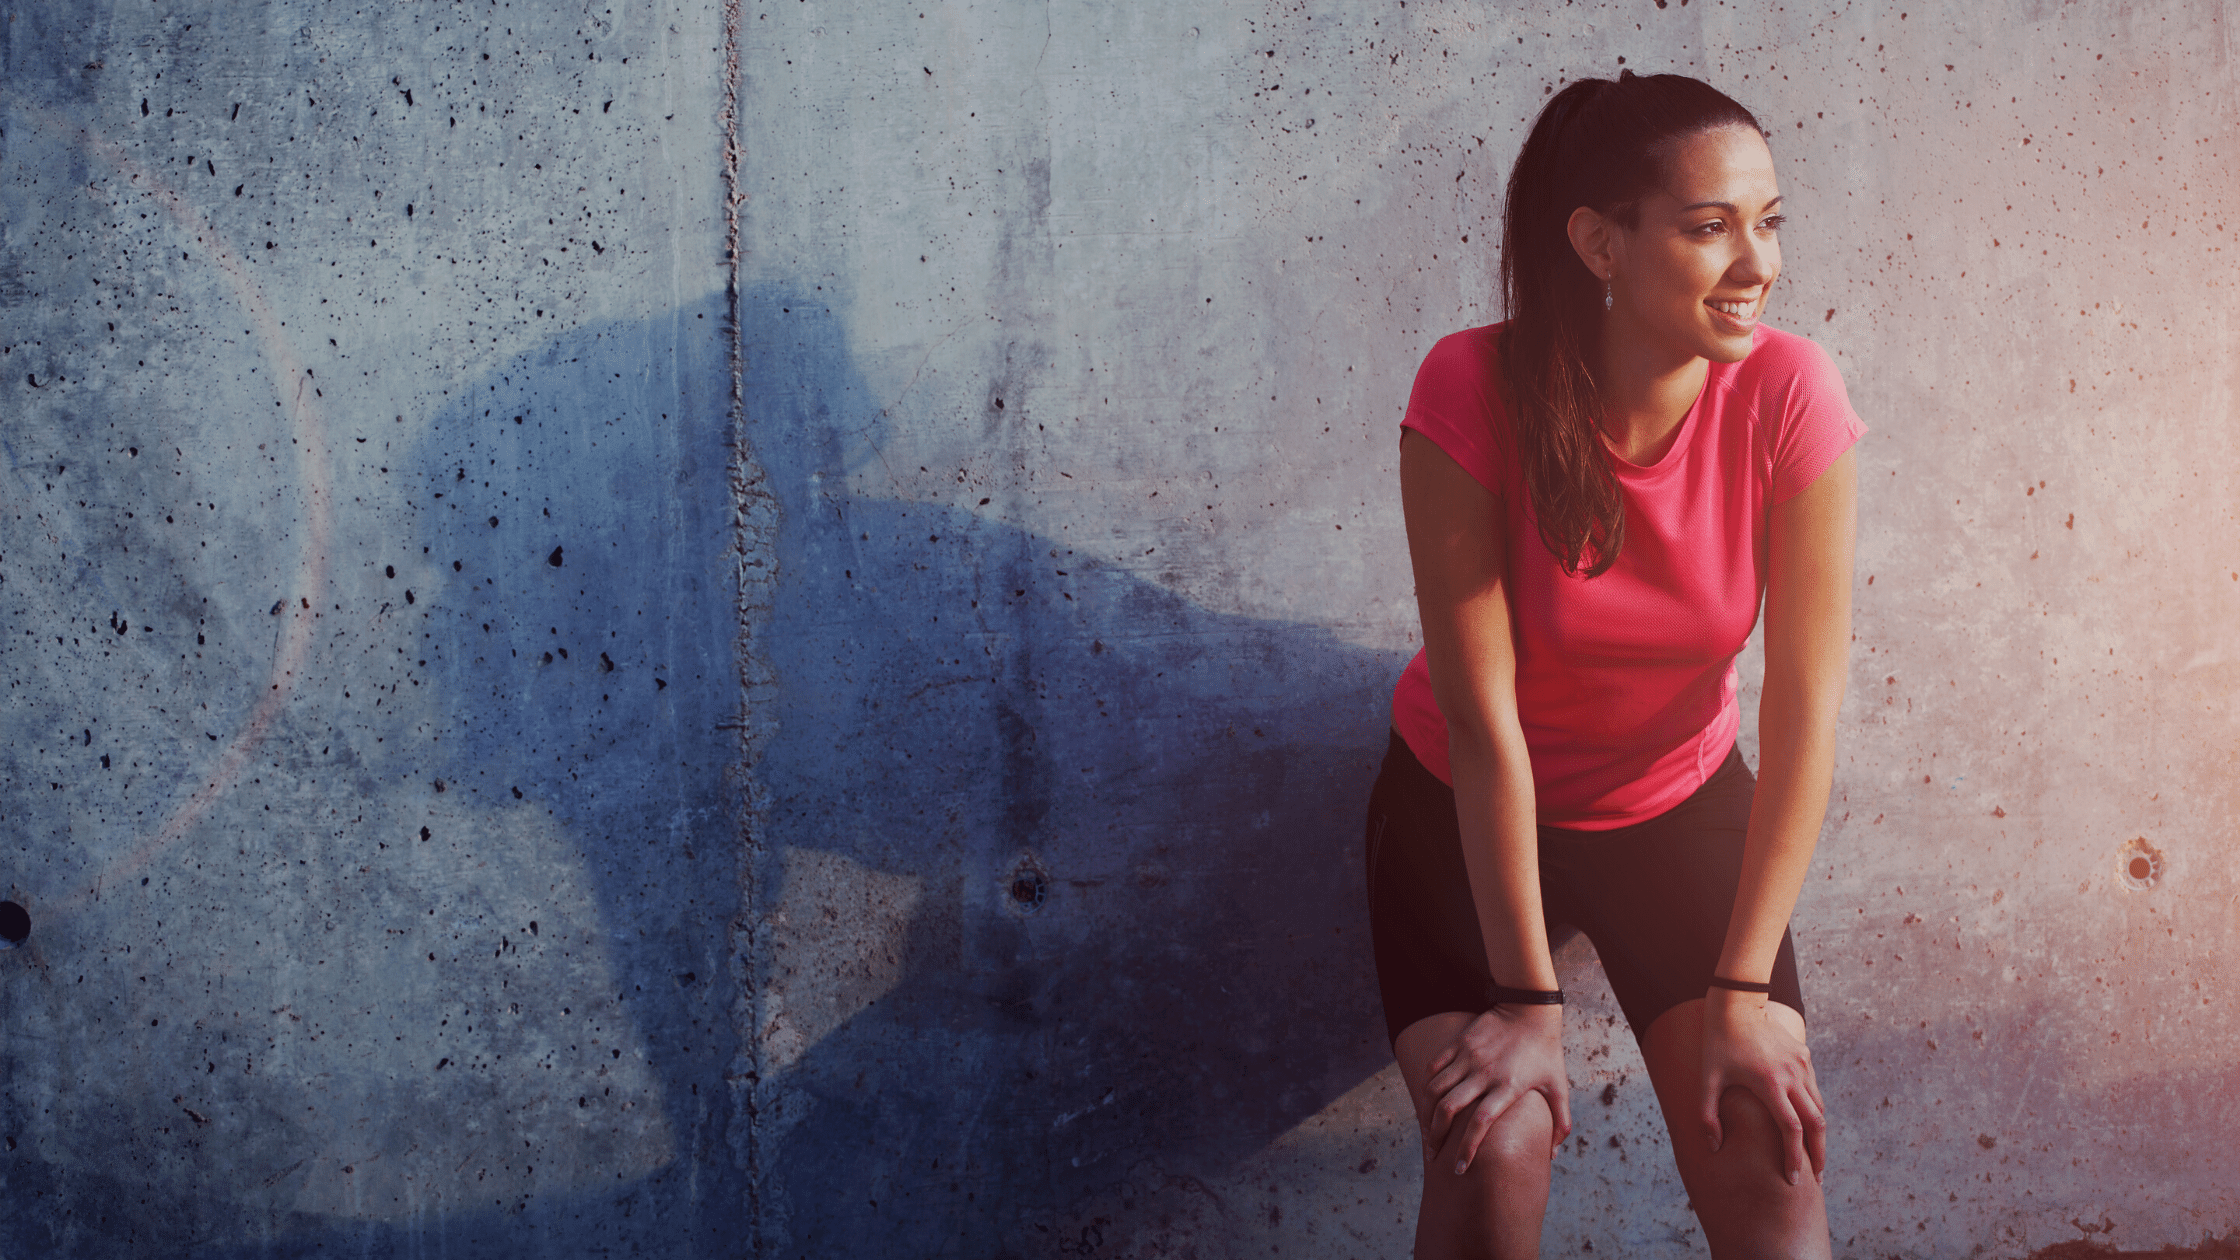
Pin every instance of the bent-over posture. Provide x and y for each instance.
(1599, 491)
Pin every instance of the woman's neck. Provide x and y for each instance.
(1645, 395)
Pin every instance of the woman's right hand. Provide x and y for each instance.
(1500, 1056)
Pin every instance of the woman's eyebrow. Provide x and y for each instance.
(1727, 206)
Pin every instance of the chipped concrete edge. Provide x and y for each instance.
(754, 539)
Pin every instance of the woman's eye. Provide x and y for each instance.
(1775, 223)
(1713, 228)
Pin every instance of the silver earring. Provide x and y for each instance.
(1607, 299)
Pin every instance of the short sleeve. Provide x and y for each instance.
(1816, 424)
(1456, 404)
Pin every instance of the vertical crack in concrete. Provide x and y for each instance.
(754, 526)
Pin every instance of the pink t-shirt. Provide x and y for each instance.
(1626, 682)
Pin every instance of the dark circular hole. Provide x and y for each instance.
(1026, 889)
(15, 923)
(2141, 868)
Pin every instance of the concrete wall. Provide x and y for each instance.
(366, 586)
(960, 856)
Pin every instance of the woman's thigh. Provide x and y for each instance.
(1423, 925)
(1656, 897)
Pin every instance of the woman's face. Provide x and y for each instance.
(1690, 278)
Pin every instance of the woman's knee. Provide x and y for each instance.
(1492, 1209)
(1515, 1142)
(1752, 1136)
(1742, 1193)
(1525, 1133)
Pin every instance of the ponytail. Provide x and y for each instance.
(1602, 144)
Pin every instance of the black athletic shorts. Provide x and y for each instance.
(1654, 897)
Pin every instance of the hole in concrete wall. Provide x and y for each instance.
(1028, 886)
(15, 925)
(2139, 864)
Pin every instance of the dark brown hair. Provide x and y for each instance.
(1602, 144)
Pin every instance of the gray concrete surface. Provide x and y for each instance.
(970, 607)
(367, 597)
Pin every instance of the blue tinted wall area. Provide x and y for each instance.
(1063, 870)
(367, 616)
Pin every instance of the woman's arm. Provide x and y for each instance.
(1808, 641)
(1457, 540)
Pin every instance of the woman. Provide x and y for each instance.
(1597, 492)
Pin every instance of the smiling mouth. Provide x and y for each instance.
(1742, 312)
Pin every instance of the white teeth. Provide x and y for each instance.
(1738, 310)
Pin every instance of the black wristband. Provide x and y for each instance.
(1740, 986)
(1503, 995)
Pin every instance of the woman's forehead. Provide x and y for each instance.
(1730, 165)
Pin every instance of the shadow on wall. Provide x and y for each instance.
(1063, 871)
(560, 735)
(603, 685)
(573, 507)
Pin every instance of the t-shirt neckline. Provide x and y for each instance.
(1672, 455)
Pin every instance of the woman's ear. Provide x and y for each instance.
(1594, 239)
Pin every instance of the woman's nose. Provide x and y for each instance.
(1757, 263)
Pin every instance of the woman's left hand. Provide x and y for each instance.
(1743, 1046)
